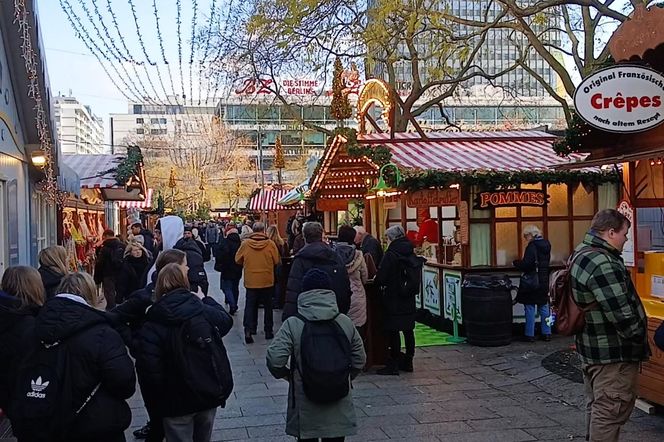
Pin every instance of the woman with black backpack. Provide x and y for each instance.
(74, 380)
(327, 351)
(180, 357)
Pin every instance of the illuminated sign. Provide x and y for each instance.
(505, 198)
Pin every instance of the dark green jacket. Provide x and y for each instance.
(615, 330)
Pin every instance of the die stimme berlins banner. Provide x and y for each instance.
(511, 198)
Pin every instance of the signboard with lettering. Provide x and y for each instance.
(332, 205)
(464, 226)
(622, 98)
(433, 198)
(628, 252)
(266, 86)
(511, 198)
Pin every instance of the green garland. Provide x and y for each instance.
(574, 138)
(413, 179)
(129, 166)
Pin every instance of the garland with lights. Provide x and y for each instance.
(279, 159)
(413, 179)
(50, 183)
(129, 166)
(574, 138)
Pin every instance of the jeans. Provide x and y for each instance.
(254, 296)
(394, 341)
(231, 289)
(610, 392)
(196, 427)
(530, 319)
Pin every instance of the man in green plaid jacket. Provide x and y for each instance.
(614, 340)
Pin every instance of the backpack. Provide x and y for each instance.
(42, 407)
(325, 360)
(411, 276)
(570, 317)
(201, 363)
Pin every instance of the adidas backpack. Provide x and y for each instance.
(42, 407)
(325, 360)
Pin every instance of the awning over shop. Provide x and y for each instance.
(68, 180)
(147, 204)
(456, 151)
(267, 199)
(293, 196)
(98, 172)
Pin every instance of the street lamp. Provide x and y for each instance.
(38, 158)
(381, 187)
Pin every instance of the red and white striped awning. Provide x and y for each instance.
(267, 199)
(468, 151)
(145, 204)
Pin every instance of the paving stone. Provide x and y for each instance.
(229, 434)
(437, 430)
(491, 436)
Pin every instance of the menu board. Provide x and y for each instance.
(464, 226)
(431, 290)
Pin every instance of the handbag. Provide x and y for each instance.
(530, 281)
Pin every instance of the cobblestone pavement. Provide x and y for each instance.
(457, 393)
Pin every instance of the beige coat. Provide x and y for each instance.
(358, 275)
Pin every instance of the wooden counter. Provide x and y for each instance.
(441, 293)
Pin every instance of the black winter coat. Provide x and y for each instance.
(323, 257)
(399, 311)
(536, 256)
(154, 353)
(195, 260)
(16, 328)
(129, 317)
(132, 276)
(98, 356)
(148, 243)
(51, 280)
(105, 267)
(373, 247)
(224, 255)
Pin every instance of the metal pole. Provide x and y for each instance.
(260, 156)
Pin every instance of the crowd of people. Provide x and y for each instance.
(75, 347)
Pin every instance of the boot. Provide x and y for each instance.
(247, 337)
(391, 369)
(406, 363)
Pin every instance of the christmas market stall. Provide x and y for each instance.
(104, 180)
(264, 205)
(463, 197)
(627, 130)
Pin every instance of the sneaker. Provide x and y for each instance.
(546, 338)
(406, 363)
(247, 337)
(142, 433)
(528, 339)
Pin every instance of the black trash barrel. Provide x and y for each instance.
(486, 305)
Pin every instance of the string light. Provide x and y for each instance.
(49, 184)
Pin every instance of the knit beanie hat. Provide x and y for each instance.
(316, 279)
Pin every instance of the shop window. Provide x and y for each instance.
(480, 244)
(474, 213)
(506, 243)
(506, 212)
(580, 230)
(607, 196)
(558, 201)
(394, 213)
(530, 211)
(583, 203)
(558, 236)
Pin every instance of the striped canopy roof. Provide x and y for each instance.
(146, 204)
(92, 170)
(468, 151)
(266, 200)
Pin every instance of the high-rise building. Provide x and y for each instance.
(499, 51)
(79, 130)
